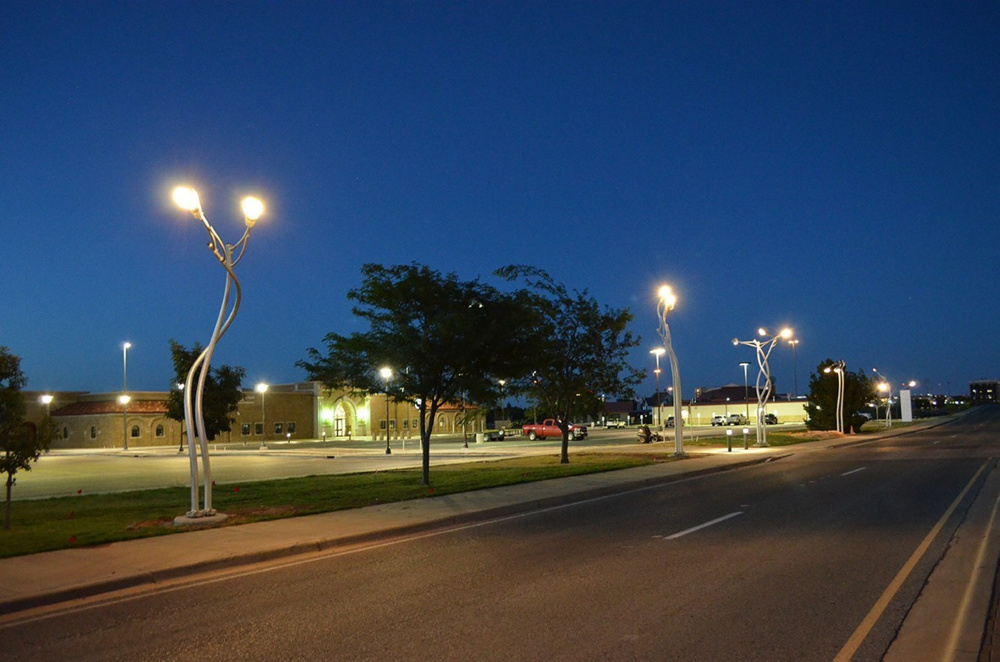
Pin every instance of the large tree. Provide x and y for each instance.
(20, 445)
(584, 352)
(822, 404)
(446, 340)
(223, 390)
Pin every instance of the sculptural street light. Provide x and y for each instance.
(838, 367)
(764, 344)
(658, 352)
(885, 386)
(667, 301)
(228, 256)
(386, 374)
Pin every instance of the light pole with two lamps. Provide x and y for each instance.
(228, 256)
(666, 303)
(838, 367)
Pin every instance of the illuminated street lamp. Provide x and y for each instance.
(124, 399)
(262, 389)
(658, 352)
(503, 404)
(386, 374)
(795, 375)
(746, 387)
(666, 303)
(228, 256)
(838, 367)
(885, 386)
(763, 348)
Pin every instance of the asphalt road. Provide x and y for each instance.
(781, 561)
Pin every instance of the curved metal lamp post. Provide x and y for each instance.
(886, 386)
(838, 367)
(194, 417)
(763, 348)
(666, 303)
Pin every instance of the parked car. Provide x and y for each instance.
(494, 435)
(719, 419)
(771, 419)
(549, 428)
(670, 421)
(737, 419)
(617, 423)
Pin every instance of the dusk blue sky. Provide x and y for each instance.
(830, 166)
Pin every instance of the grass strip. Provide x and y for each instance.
(76, 521)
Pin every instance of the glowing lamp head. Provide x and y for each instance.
(261, 388)
(186, 198)
(659, 351)
(124, 399)
(386, 373)
(252, 210)
(47, 399)
(786, 333)
(736, 341)
(667, 296)
(883, 386)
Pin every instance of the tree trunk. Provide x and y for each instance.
(425, 474)
(564, 457)
(6, 517)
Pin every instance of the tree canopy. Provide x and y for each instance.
(822, 404)
(583, 352)
(20, 445)
(222, 396)
(444, 339)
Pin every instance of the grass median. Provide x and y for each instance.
(82, 520)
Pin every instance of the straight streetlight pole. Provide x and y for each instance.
(386, 375)
(746, 388)
(658, 352)
(125, 399)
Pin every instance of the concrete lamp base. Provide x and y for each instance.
(200, 520)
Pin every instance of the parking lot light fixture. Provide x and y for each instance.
(667, 301)
(658, 352)
(386, 374)
(262, 389)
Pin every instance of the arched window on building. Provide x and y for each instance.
(93, 432)
(159, 430)
(135, 432)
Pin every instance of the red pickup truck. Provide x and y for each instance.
(548, 428)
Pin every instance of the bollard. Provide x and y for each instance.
(729, 441)
(746, 442)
